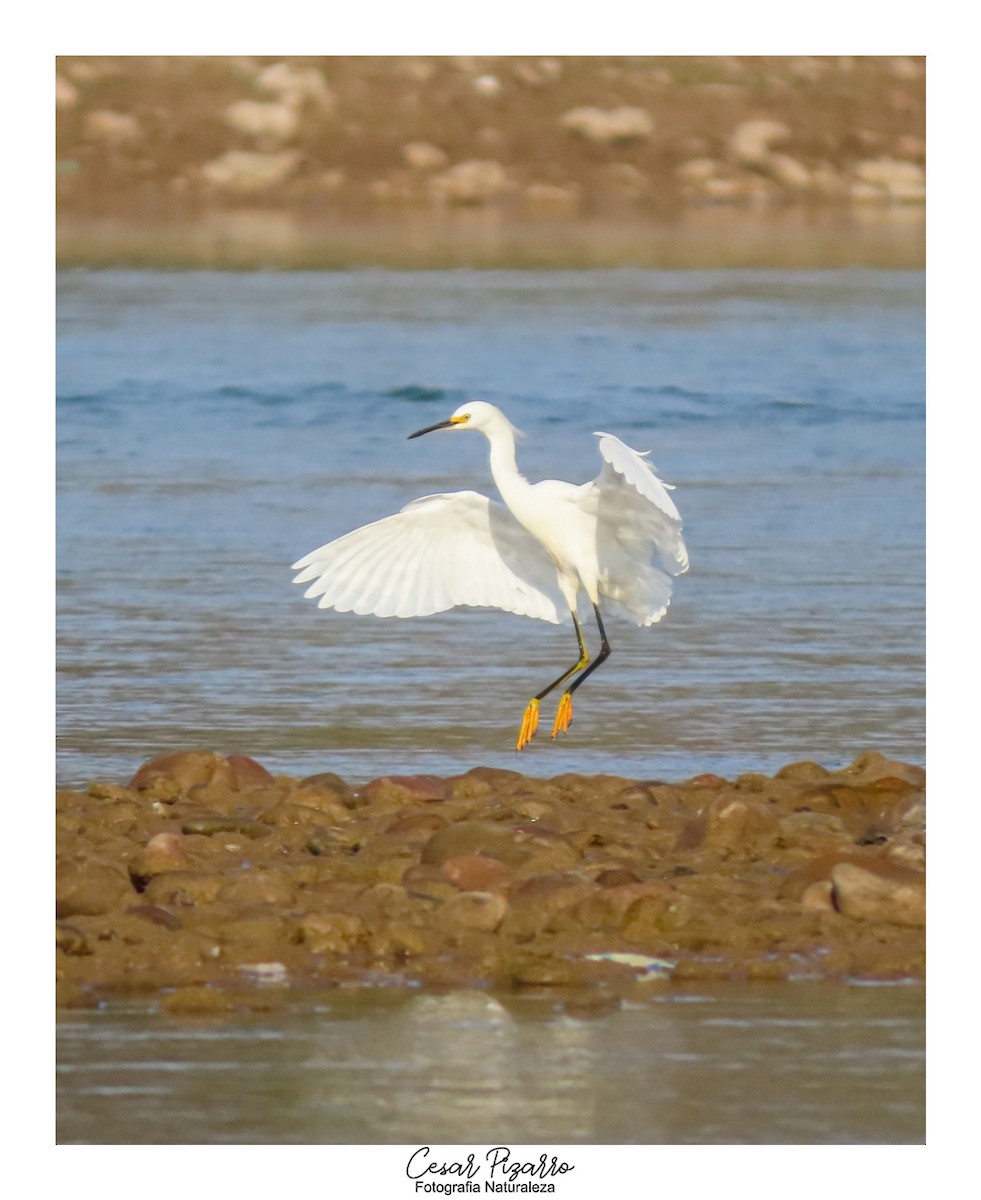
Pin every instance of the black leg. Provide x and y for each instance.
(583, 660)
(563, 718)
(604, 653)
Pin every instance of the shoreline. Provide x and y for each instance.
(267, 239)
(206, 884)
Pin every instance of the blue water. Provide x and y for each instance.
(212, 428)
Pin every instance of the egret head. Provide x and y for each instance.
(473, 415)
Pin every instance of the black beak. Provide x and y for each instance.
(429, 429)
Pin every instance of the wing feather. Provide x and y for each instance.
(638, 533)
(456, 548)
(632, 494)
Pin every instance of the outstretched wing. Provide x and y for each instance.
(455, 548)
(637, 522)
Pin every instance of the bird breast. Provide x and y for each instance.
(552, 512)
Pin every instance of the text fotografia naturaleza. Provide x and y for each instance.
(504, 1174)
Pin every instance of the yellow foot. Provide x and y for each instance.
(529, 723)
(563, 718)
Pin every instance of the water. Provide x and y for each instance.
(806, 1064)
(214, 427)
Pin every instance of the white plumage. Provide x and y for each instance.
(617, 537)
(439, 552)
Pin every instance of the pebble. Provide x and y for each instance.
(473, 910)
(114, 129)
(867, 895)
(477, 873)
(423, 156)
(297, 86)
(623, 124)
(90, 889)
(751, 141)
(272, 124)
(184, 888)
(332, 932)
(476, 181)
(209, 824)
(249, 171)
(490, 839)
(396, 791)
(163, 852)
(262, 887)
(185, 769)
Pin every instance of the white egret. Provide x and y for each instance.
(617, 537)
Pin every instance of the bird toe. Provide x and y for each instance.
(529, 724)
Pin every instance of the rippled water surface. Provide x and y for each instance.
(799, 1064)
(214, 427)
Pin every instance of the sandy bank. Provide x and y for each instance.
(491, 161)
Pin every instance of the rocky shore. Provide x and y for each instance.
(179, 160)
(210, 885)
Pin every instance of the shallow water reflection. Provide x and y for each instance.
(756, 1064)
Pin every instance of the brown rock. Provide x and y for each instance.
(798, 825)
(817, 897)
(400, 939)
(325, 780)
(477, 873)
(246, 773)
(185, 770)
(601, 909)
(109, 791)
(332, 932)
(614, 877)
(820, 868)
(207, 824)
(870, 896)
(71, 940)
(486, 781)
(476, 181)
(257, 936)
(259, 887)
(286, 815)
(593, 790)
(492, 839)
(428, 882)
(802, 772)
(156, 914)
(752, 781)
(550, 891)
(655, 914)
(872, 766)
(473, 910)
(184, 888)
(536, 903)
(163, 852)
(90, 888)
(731, 824)
(416, 826)
(396, 791)
(907, 852)
(529, 809)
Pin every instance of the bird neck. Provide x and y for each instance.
(504, 466)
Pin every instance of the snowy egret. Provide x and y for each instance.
(547, 542)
